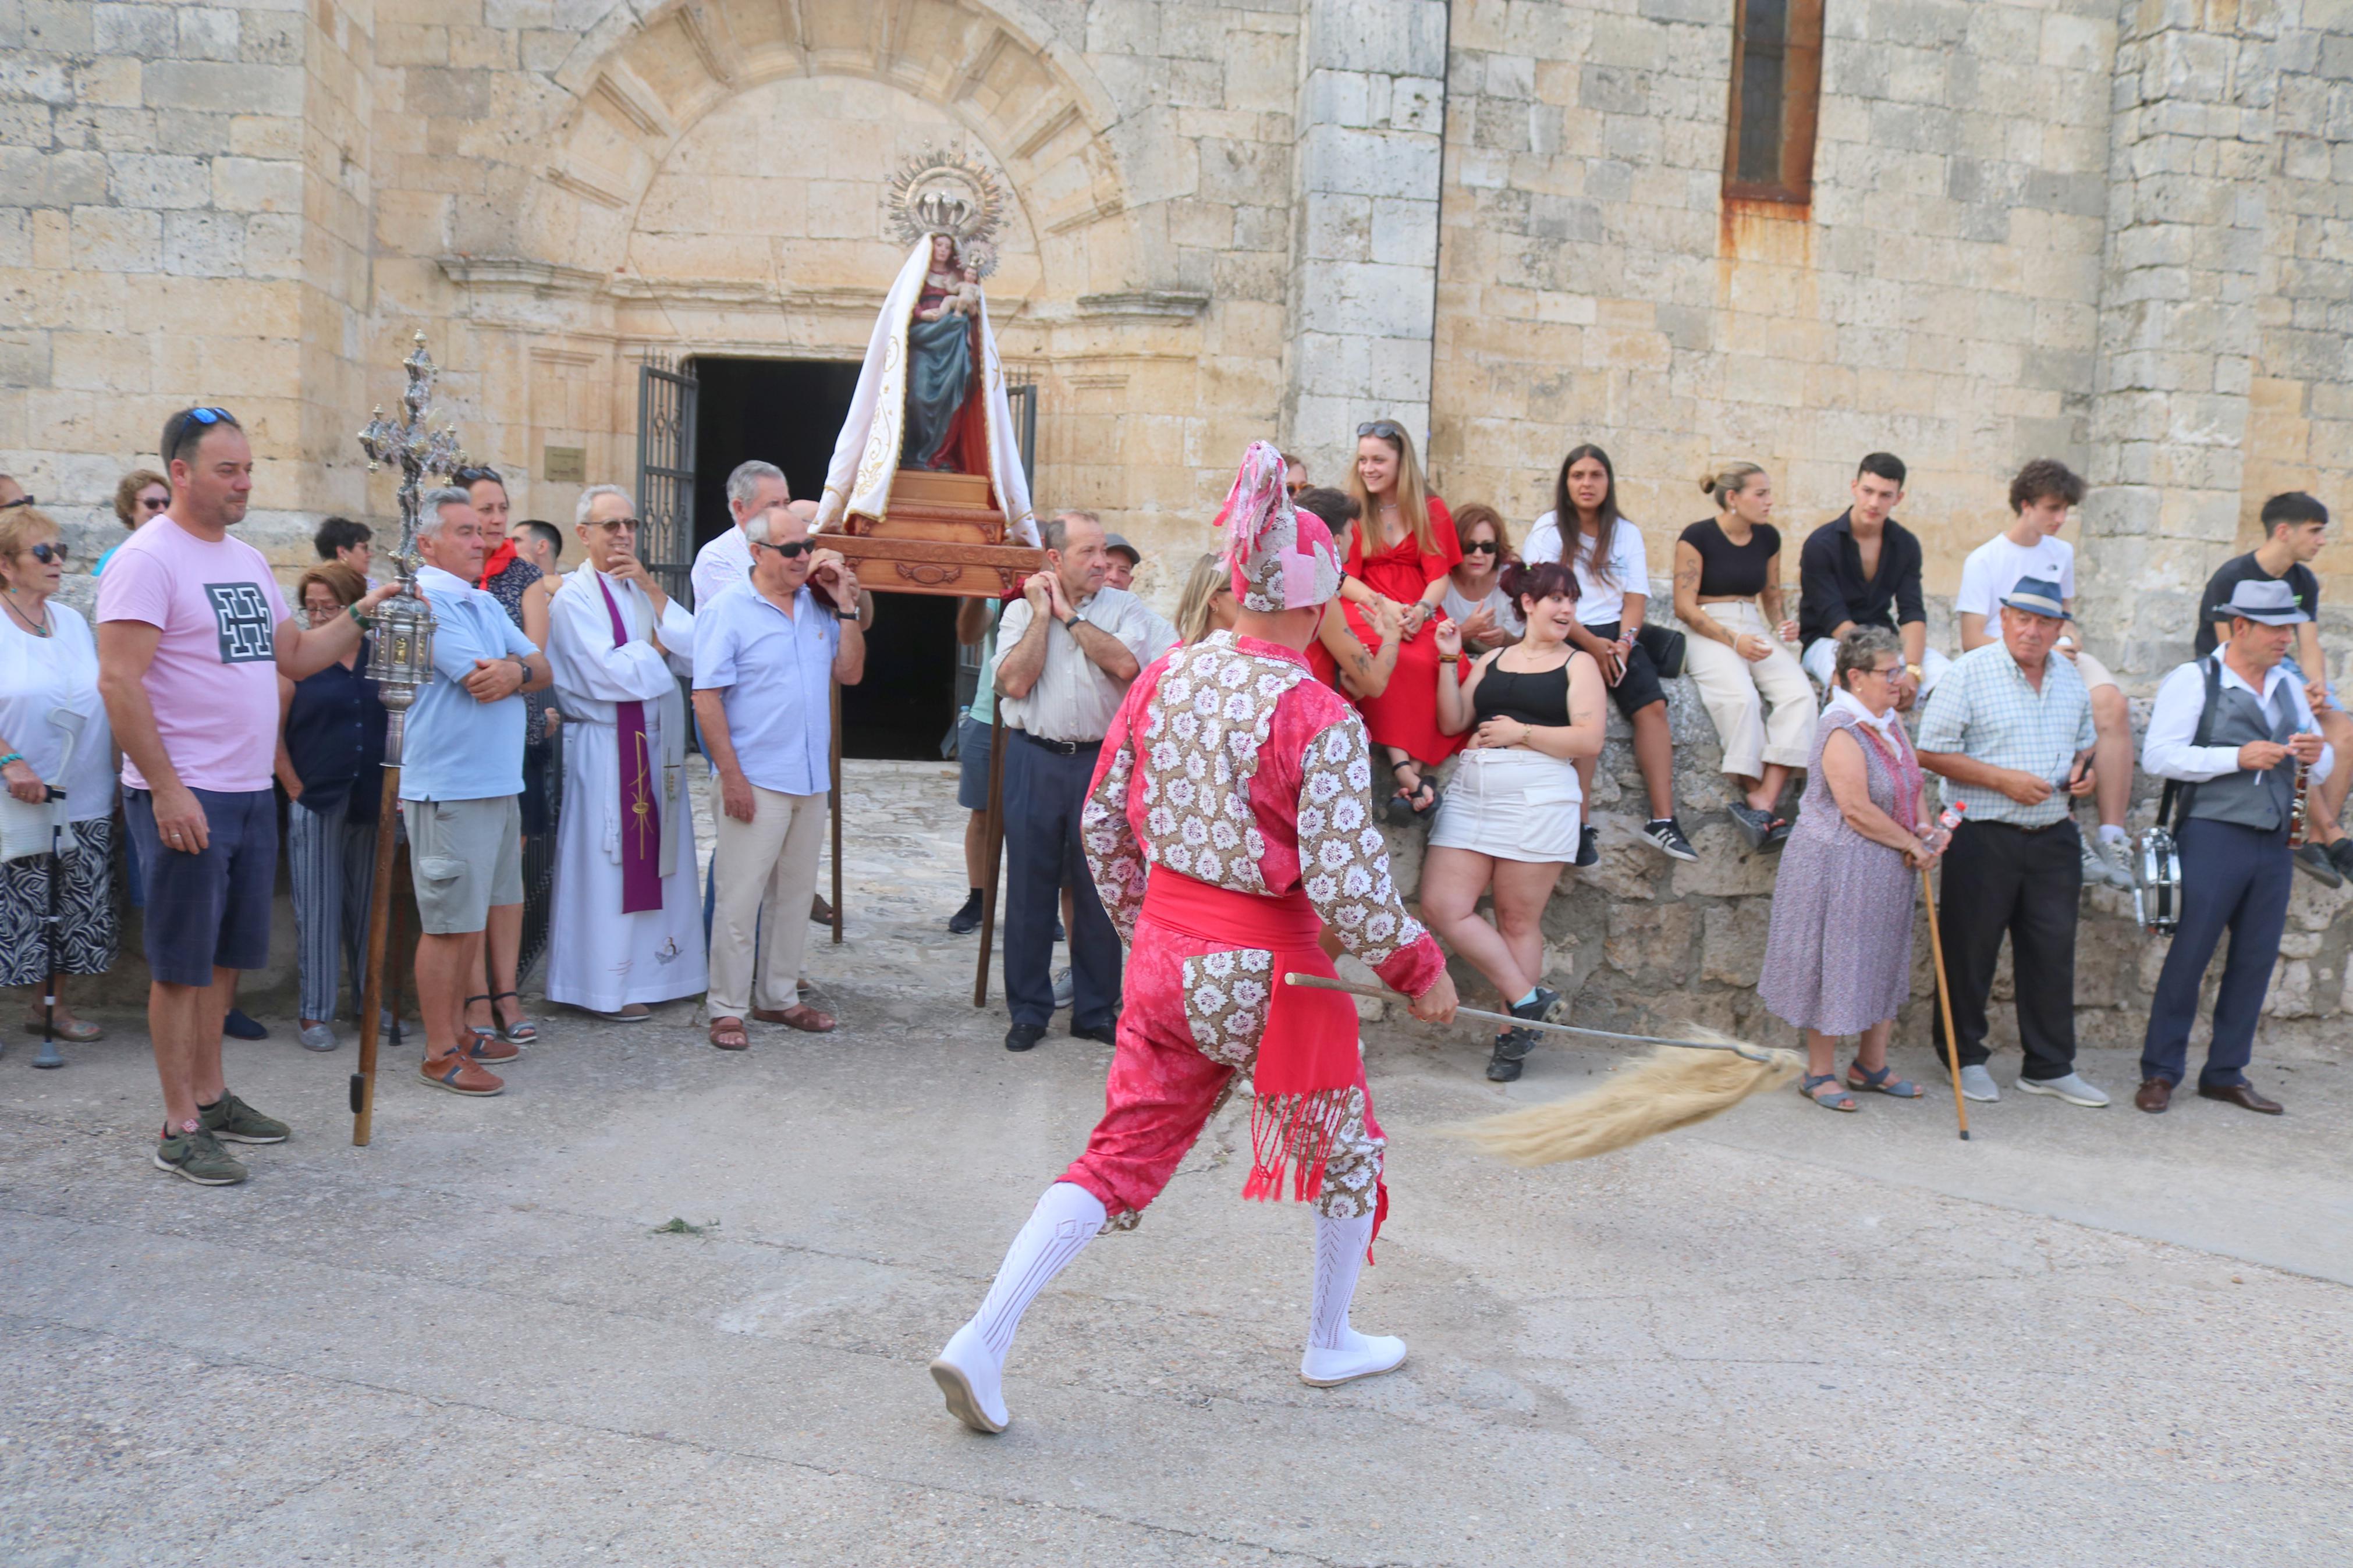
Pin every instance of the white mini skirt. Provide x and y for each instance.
(1513, 803)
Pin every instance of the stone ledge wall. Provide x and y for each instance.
(1639, 940)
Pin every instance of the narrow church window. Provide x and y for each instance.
(1777, 79)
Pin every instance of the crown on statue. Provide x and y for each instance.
(945, 190)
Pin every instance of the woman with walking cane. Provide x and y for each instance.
(1838, 958)
(53, 732)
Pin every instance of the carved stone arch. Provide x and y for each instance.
(1034, 104)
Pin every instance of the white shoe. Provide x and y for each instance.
(1978, 1084)
(2116, 857)
(2072, 1089)
(971, 1379)
(1363, 1355)
(1065, 988)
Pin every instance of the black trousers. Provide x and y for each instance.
(1044, 793)
(2003, 879)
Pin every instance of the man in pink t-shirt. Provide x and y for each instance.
(192, 635)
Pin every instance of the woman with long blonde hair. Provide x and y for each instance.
(1404, 549)
(1207, 604)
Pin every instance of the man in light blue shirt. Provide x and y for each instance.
(461, 772)
(767, 650)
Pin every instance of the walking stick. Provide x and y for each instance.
(379, 930)
(1944, 1004)
(49, 1057)
(992, 839)
(837, 814)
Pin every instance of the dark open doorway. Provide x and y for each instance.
(787, 412)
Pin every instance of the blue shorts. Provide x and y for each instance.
(209, 910)
(972, 763)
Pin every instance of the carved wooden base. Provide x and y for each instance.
(944, 535)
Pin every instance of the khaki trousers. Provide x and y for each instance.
(1732, 687)
(773, 855)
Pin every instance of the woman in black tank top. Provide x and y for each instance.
(1728, 597)
(1512, 817)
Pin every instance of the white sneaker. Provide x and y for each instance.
(1365, 1355)
(2117, 856)
(2072, 1089)
(1978, 1084)
(970, 1378)
(1065, 988)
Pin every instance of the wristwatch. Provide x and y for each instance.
(1914, 671)
(1072, 624)
(845, 614)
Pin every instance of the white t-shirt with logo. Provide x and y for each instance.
(1599, 603)
(1995, 567)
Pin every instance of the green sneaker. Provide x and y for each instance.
(238, 1122)
(198, 1156)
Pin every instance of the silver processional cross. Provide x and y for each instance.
(401, 661)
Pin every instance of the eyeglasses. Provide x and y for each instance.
(796, 548)
(617, 522)
(1483, 547)
(45, 552)
(1888, 672)
(1383, 428)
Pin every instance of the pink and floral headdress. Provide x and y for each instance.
(1281, 559)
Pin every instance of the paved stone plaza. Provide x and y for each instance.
(2084, 1338)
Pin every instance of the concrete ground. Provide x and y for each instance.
(1785, 1337)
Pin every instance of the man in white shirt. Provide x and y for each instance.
(2041, 497)
(727, 560)
(2223, 725)
(1067, 652)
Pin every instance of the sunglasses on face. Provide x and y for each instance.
(45, 552)
(1383, 428)
(793, 552)
(1481, 547)
(158, 504)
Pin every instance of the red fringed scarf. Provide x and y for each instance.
(1307, 1061)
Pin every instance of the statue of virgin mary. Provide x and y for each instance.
(930, 392)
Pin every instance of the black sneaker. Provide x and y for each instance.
(238, 1025)
(1022, 1036)
(1754, 826)
(1511, 1045)
(1547, 1006)
(1666, 836)
(2317, 863)
(1588, 846)
(2341, 854)
(966, 920)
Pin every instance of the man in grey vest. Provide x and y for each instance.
(2224, 726)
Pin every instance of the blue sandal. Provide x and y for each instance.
(1823, 1089)
(1877, 1083)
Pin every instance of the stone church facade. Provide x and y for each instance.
(1968, 231)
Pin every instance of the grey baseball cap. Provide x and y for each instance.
(1118, 545)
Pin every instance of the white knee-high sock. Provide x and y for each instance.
(1340, 1247)
(1066, 1218)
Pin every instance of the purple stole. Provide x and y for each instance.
(641, 886)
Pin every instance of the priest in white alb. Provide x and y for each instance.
(626, 923)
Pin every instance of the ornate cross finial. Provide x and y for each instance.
(415, 446)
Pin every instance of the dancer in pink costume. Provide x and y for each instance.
(1243, 787)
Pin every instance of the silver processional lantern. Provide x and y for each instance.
(401, 662)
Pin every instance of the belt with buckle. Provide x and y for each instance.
(1060, 748)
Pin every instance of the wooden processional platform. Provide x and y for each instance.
(944, 535)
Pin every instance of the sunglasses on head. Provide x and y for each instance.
(20, 500)
(792, 552)
(1383, 428)
(1481, 547)
(472, 477)
(45, 552)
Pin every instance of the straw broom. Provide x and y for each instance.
(1684, 1079)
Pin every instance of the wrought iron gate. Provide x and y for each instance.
(666, 399)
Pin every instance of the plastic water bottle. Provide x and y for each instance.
(1942, 833)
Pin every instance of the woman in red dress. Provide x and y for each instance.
(1404, 549)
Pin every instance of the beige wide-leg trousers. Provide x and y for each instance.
(1731, 686)
(775, 856)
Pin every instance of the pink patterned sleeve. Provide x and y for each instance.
(1344, 863)
(1114, 854)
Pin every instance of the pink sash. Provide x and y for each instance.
(640, 811)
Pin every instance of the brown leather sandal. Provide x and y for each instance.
(799, 1016)
(728, 1034)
